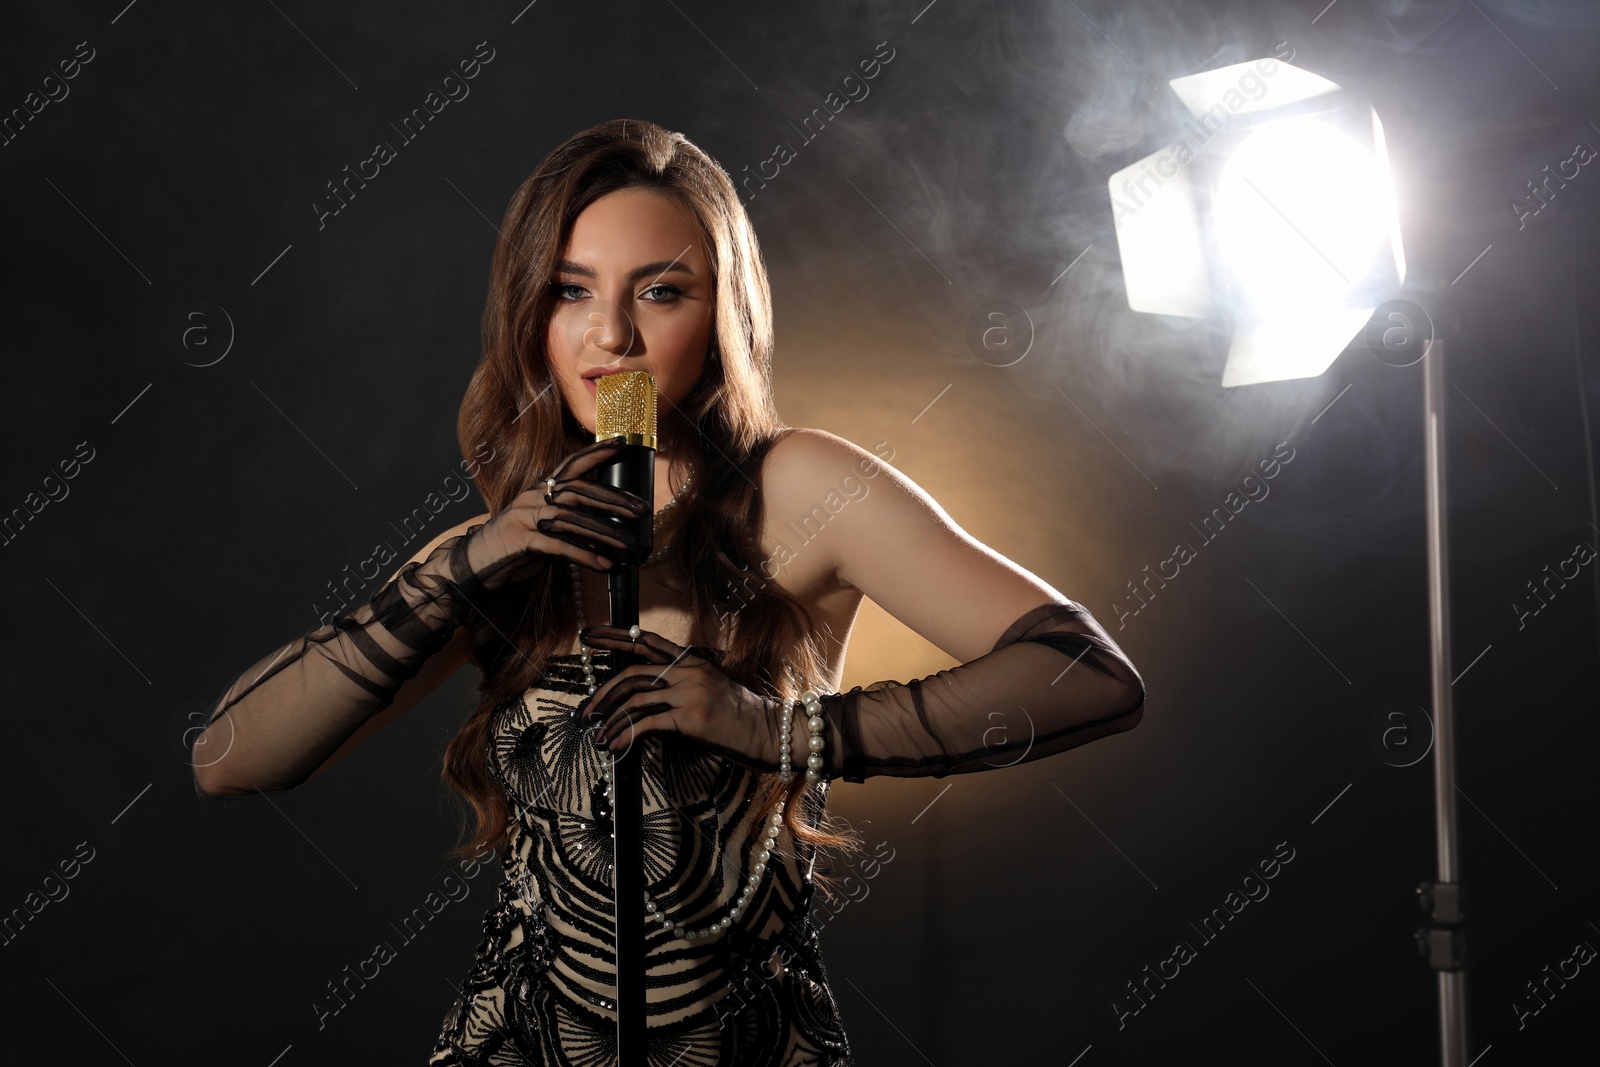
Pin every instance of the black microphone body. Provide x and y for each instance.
(632, 471)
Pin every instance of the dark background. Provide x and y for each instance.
(180, 174)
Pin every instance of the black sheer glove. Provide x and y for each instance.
(288, 713)
(1053, 681)
(570, 515)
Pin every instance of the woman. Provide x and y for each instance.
(628, 249)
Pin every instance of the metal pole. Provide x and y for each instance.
(627, 815)
(1443, 942)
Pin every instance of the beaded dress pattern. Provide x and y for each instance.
(753, 990)
(541, 988)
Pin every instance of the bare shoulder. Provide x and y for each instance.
(804, 460)
(816, 474)
(856, 522)
(809, 480)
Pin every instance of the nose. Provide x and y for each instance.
(609, 330)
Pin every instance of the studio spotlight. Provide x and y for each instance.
(1276, 213)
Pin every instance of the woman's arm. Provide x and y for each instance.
(302, 708)
(1040, 674)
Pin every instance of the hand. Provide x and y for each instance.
(678, 691)
(519, 543)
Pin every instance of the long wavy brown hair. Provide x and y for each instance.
(712, 544)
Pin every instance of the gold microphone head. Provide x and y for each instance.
(625, 406)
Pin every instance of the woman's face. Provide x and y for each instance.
(632, 291)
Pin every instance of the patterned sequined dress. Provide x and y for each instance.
(541, 989)
(754, 993)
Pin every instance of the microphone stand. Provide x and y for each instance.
(1443, 941)
(633, 471)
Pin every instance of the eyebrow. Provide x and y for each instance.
(665, 266)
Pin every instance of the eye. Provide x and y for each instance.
(559, 290)
(668, 293)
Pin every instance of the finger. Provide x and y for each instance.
(591, 555)
(601, 520)
(643, 720)
(574, 530)
(605, 501)
(615, 692)
(588, 525)
(581, 493)
(590, 457)
(552, 541)
(630, 708)
(651, 645)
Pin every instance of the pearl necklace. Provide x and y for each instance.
(608, 768)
